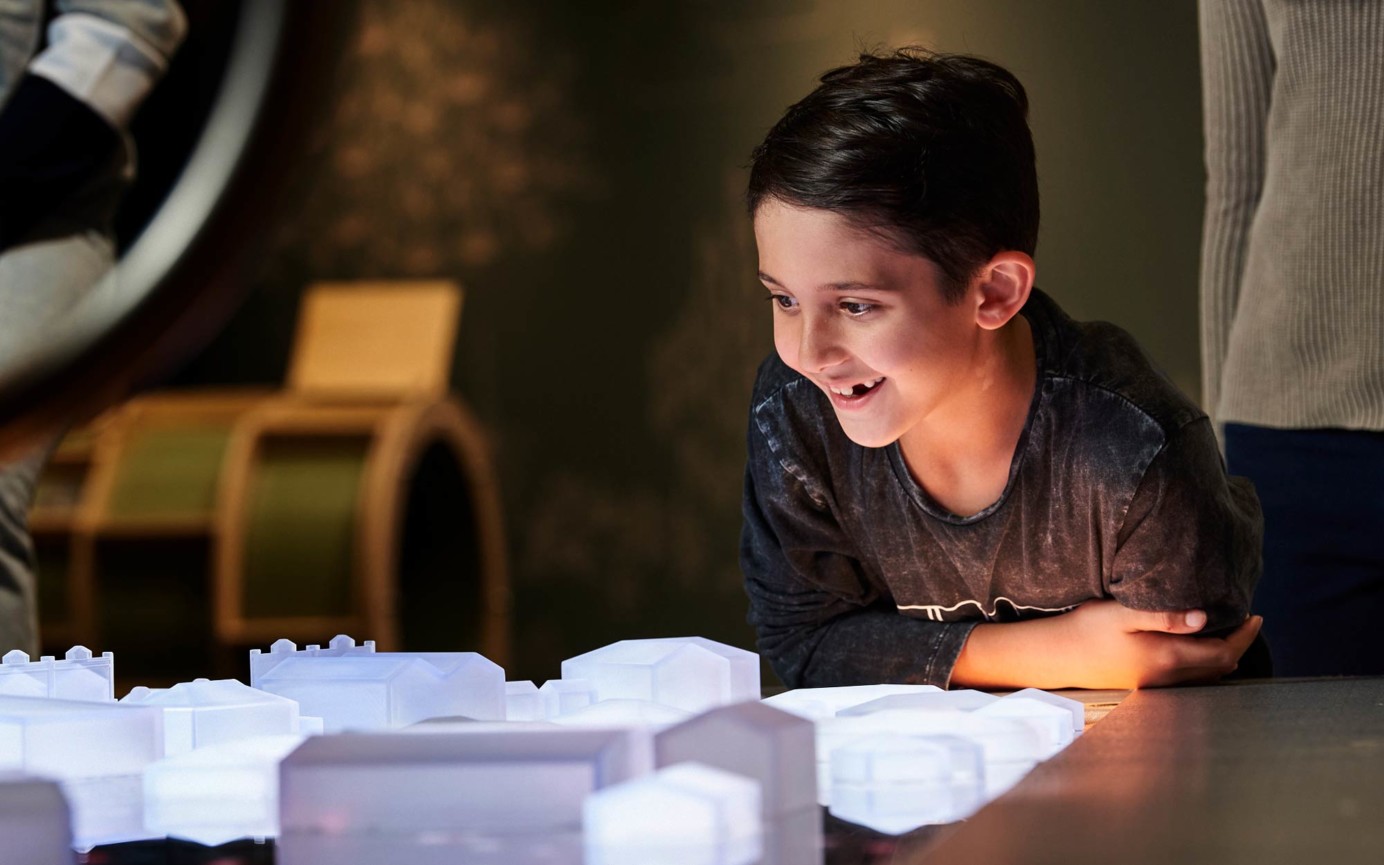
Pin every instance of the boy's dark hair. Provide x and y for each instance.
(931, 150)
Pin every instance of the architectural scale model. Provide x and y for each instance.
(643, 751)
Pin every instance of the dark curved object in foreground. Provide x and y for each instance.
(187, 269)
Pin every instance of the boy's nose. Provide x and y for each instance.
(818, 347)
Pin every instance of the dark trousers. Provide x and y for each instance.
(1322, 593)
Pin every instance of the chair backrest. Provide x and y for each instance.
(375, 340)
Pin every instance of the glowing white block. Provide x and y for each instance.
(218, 793)
(78, 676)
(688, 814)
(624, 713)
(773, 747)
(201, 713)
(1053, 724)
(353, 687)
(523, 702)
(35, 822)
(690, 673)
(96, 751)
(340, 646)
(894, 784)
(414, 797)
(1075, 707)
(563, 696)
(1010, 747)
(960, 700)
(78, 739)
(818, 703)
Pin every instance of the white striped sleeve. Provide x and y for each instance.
(107, 64)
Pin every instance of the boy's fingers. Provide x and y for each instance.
(1239, 640)
(1197, 658)
(1202, 654)
(1174, 622)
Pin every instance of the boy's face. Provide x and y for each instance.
(852, 313)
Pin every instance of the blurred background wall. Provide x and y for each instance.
(579, 167)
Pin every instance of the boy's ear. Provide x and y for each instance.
(1003, 283)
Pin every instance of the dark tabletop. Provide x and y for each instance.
(1255, 772)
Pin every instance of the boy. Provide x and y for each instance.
(949, 480)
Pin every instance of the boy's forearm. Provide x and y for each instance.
(868, 646)
(1027, 654)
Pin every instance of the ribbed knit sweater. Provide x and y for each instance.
(1292, 275)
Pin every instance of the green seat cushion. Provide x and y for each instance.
(300, 533)
(169, 472)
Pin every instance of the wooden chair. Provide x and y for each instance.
(130, 490)
(371, 365)
(366, 400)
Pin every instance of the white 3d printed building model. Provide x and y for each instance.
(688, 813)
(661, 749)
(96, 751)
(201, 713)
(35, 822)
(384, 798)
(78, 676)
(775, 748)
(352, 687)
(690, 673)
(894, 783)
(218, 793)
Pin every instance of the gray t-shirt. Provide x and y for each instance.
(1116, 490)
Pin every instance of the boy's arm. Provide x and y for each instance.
(1100, 644)
(1237, 69)
(820, 622)
(1192, 536)
(1189, 546)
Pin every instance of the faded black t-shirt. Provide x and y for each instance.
(1116, 490)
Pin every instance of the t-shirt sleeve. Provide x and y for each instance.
(820, 621)
(1192, 536)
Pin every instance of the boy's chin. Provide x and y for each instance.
(868, 438)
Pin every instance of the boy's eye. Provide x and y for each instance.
(782, 301)
(855, 308)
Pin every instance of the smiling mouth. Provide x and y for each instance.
(856, 391)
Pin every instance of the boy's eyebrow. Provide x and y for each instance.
(837, 286)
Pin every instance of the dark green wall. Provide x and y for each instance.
(578, 167)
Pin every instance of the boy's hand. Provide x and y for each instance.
(1100, 644)
(1113, 646)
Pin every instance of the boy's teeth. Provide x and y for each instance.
(850, 391)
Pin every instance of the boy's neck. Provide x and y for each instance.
(962, 453)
